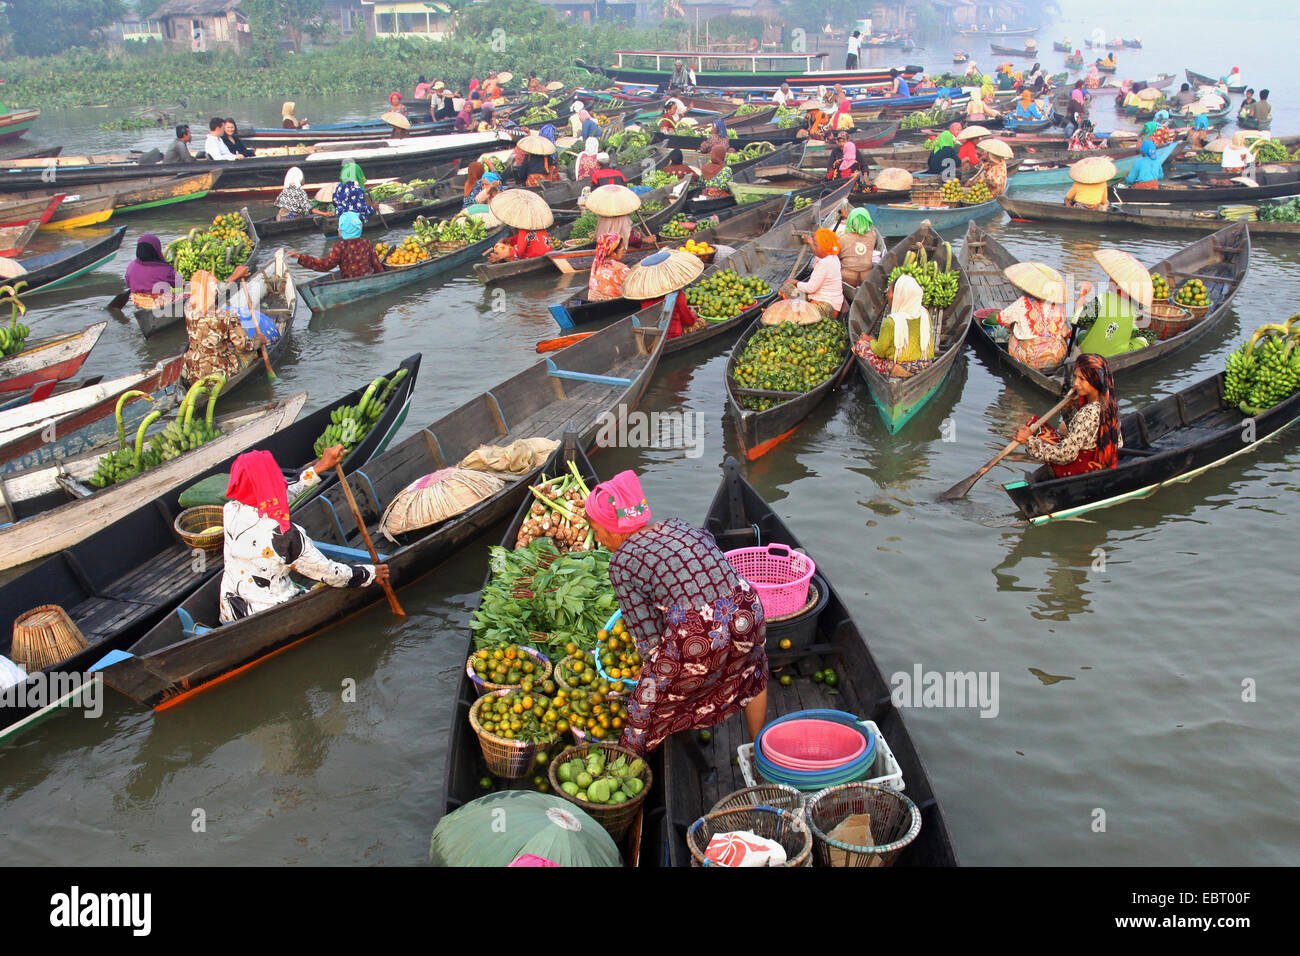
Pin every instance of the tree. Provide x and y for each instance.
(42, 27)
(268, 20)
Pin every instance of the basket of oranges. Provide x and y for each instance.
(408, 253)
(513, 726)
(701, 249)
(1194, 297)
(506, 667)
(616, 655)
(597, 712)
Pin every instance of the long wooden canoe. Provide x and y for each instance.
(1219, 260)
(877, 134)
(1272, 183)
(1147, 217)
(1171, 440)
(1014, 50)
(50, 270)
(15, 123)
(1200, 79)
(20, 212)
(51, 358)
(900, 219)
(120, 581)
(898, 399)
(69, 425)
(600, 375)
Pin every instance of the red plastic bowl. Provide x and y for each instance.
(812, 745)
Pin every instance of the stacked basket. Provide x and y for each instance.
(509, 759)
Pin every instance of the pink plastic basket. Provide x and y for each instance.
(812, 745)
(778, 574)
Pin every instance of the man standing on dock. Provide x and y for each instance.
(854, 47)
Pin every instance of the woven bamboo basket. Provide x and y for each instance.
(44, 636)
(1168, 319)
(768, 795)
(538, 676)
(773, 823)
(618, 817)
(1198, 311)
(895, 822)
(192, 522)
(442, 248)
(928, 196)
(510, 759)
(560, 669)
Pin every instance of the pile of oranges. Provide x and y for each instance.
(698, 248)
(408, 253)
(504, 665)
(591, 712)
(618, 654)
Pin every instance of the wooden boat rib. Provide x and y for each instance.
(120, 581)
(1150, 217)
(52, 269)
(51, 358)
(1171, 440)
(1219, 260)
(14, 239)
(1283, 182)
(898, 399)
(601, 374)
(81, 420)
(22, 211)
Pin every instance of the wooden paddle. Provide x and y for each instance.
(266, 361)
(119, 300)
(365, 536)
(962, 488)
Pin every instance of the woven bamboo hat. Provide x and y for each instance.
(1093, 169)
(1219, 145)
(892, 178)
(665, 271)
(325, 194)
(1040, 281)
(396, 119)
(537, 145)
(995, 147)
(973, 132)
(554, 85)
(613, 200)
(11, 268)
(1149, 94)
(505, 76)
(522, 209)
(1239, 138)
(1129, 274)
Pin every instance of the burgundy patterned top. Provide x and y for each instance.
(671, 563)
(354, 258)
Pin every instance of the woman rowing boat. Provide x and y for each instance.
(217, 341)
(1091, 440)
(698, 626)
(857, 243)
(824, 287)
(1147, 171)
(292, 203)
(263, 548)
(350, 193)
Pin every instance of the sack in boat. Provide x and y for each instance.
(436, 497)
(854, 830)
(797, 310)
(518, 458)
(743, 848)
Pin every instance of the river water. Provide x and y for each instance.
(1153, 615)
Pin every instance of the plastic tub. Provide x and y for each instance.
(778, 573)
(886, 771)
(815, 745)
(800, 628)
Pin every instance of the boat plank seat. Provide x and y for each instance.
(153, 583)
(100, 617)
(555, 372)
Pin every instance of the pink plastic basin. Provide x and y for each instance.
(812, 745)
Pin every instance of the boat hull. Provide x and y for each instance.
(50, 359)
(900, 219)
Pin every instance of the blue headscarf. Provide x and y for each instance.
(1147, 168)
(1162, 116)
(589, 128)
(1202, 122)
(1149, 148)
(349, 226)
(720, 126)
(548, 132)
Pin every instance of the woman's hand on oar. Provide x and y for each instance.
(381, 570)
(961, 489)
(252, 315)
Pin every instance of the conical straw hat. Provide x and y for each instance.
(1093, 169)
(1129, 274)
(995, 147)
(537, 145)
(522, 209)
(505, 76)
(613, 200)
(554, 85)
(396, 119)
(325, 194)
(1219, 145)
(665, 271)
(1040, 281)
(973, 132)
(1150, 94)
(892, 178)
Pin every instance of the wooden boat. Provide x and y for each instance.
(900, 219)
(959, 57)
(1250, 122)
(736, 71)
(1074, 62)
(1151, 217)
(1134, 44)
(1025, 126)
(331, 291)
(14, 239)
(43, 390)
(605, 372)
(873, 135)
(696, 776)
(80, 213)
(50, 270)
(49, 358)
(898, 399)
(119, 581)
(1273, 182)
(1219, 260)
(370, 131)
(1169, 441)
(1014, 51)
(998, 31)
(762, 117)
(82, 419)
(1058, 174)
(1102, 68)
(49, 509)
(761, 431)
(20, 212)
(172, 312)
(1060, 47)
(128, 195)
(15, 123)
(1200, 79)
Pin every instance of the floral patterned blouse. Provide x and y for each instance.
(353, 257)
(259, 558)
(349, 197)
(994, 173)
(1082, 426)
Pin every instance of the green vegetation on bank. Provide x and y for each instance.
(532, 38)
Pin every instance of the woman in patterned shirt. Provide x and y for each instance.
(292, 201)
(354, 256)
(350, 193)
(1092, 439)
(698, 626)
(262, 547)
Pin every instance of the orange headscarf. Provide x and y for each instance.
(1026, 98)
(826, 243)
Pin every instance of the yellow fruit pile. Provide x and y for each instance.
(618, 654)
(1193, 293)
(1159, 287)
(408, 253)
(698, 248)
(503, 665)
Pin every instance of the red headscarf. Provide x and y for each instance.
(618, 505)
(394, 98)
(256, 481)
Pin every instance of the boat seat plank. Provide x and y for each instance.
(100, 617)
(153, 583)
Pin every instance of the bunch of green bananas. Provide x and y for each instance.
(13, 338)
(1265, 370)
(181, 435)
(464, 229)
(939, 286)
(351, 423)
(218, 249)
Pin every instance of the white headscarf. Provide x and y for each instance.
(293, 177)
(906, 305)
(592, 146)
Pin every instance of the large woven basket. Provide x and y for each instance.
(895, 822)
(538, 676)
(510, 759)
(614, 818)
(192, 522)
(767, 795)
(772, 823)
(44, 636)
(1168, 319)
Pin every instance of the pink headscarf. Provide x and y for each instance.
(618, 505)
(850, 156)
(1077, 96)
(256, 481)
(394, 97)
